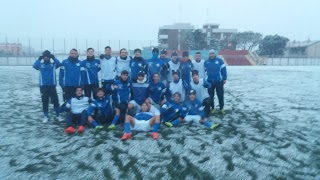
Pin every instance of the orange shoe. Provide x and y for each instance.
(126, 136)
(80, 129)
(155, 135)
(70, 130)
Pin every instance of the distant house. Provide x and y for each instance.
(11, 48)
(309, 49)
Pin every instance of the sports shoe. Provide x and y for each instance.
(126, 136)
(45, 119)
(60, 119)
(212, 111)
(80, 129)
(168, 124)
(112, 127)
(214, 126)
(70, 130)
(98, 128)
(155, 135)
(222, 111)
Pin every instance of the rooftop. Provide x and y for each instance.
(295, 44)
(178, 26)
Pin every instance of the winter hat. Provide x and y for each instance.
(174, 53)
(192, 91)
(163, 51)
(155, 50)
(185, 54)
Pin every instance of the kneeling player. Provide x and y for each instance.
(195, 113)
(78, 114)
(143, 121)
(172, 112)
(101, 109)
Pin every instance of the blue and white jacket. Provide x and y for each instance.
(89, 71)
(185, 70)
(103, 105)
(70, 74)
(171, 111)
(139, 92)
(137, 65)
(47, 70)
(123, 93)
(156, 91)
(216, 70)
(155, 65)
(193, 108)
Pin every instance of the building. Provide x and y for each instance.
(10, 49)
(217, 37)
(309, 49)
(169, 35)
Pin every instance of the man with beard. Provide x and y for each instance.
(70, 75)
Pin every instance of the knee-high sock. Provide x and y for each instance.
(156, 127)
(175, 122)
(127, 128)
(208, 123)
(115, 119)
(94, 123)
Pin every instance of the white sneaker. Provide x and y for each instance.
(45, 119)
(60, 119)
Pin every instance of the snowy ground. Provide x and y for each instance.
(270, 131)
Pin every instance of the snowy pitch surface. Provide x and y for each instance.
(271, 130)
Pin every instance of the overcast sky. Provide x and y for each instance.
(141, 19)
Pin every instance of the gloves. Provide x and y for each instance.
(40, 57)
(101, 56)
(52, 56)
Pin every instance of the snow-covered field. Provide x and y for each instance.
(270, 131)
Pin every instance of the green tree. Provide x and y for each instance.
(273, 45)
(198, 42)
(186, 39)
(246, 40)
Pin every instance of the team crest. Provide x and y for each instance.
(217, 62)
(158, 65)
(78, 64)
(139, 64)
(159, 88)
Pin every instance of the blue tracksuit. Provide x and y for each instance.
(156, 91)
(185, 70)
(89, 71)
(139, 92)
(70, 74)
(216, 70)
(193, 108)
(123, 93)
(155, 65)
(103, 105)
(47, 71)
(137, 65)
(171, 111)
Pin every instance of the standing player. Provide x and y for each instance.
(217, 76)
(123, 62)
(198, 64)
(89, 69)
(185, 67)
(108, 68)
(70, 75)
(155, 65)
(47, 65)
(143, 121)
(173, 66)
(164, 73)
(137, 64)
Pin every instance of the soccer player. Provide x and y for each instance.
(172, 112)
(156, 91)
(70, 75)
(137, 64)
(89, 70)
(201, 86)
(143, 121)
(165, 70)
(100, 110)
(78, 111)
(173, 66)
(177, 85)
(194, 111)
(198, 64)
(108, 68)
(123, 62)
(47, 65)
(217, 76)
(185, 67)
(139, 94)
(122, 89)
(155, 65)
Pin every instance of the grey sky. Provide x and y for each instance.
(140, 19)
